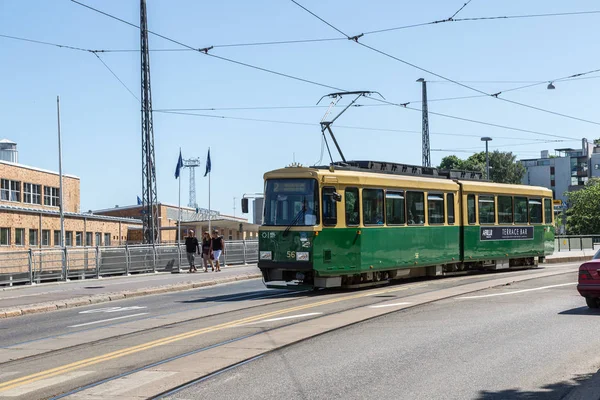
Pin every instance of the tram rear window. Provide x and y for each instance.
(291, 202)
(548, 211)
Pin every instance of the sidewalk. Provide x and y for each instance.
(21, 300)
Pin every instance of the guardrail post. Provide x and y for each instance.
(97, 262)
(580, 243)
(178, 257)
(66, 263)
(127, 260)
(30, 262)
(154, 258)
(245, 250)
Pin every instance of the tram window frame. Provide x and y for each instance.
(389, 205)
(471, 209)
(486, 200)
(369, 221)
(548, 211)
(438, 197)
(328, 204)
(512, 210)
(521, 220)
(356, 208)
(409, 203)
(538, 202)
(450, 216)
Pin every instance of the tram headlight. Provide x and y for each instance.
(302, 256)
(266, 255)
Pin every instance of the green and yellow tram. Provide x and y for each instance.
(362, 223)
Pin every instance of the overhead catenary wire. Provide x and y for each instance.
(119, 79)
(494, 95)
(460, 9)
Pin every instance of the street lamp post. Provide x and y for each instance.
(486, 139)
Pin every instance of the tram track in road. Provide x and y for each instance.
(332, 306)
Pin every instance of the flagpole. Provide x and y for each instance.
(209, 213)
(60, 193)
(179, 222)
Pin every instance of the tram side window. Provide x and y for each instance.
(373, 212)
(450, 207)
(548, 211)
(352, 207)
(394, 203)
(487, 212)
(471, 208)
(415, 205)
(505, 209)
(329, 207)
(435, 208)
(521, 216)
(535, 211)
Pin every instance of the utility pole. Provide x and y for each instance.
(149, 195)
(425, 136)
(487, 139)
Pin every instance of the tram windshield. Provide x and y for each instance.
(291, 201)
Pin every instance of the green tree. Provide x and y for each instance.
(583, 214)
(451, 162)
(597, 142)
(505, 169)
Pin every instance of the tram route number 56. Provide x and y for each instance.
(291, 254)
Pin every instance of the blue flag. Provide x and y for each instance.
(139, 201)
(179, 166)
(207, 164)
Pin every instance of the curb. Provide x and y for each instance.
(107, 297)
(567, 259)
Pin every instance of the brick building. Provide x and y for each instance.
(30, 217)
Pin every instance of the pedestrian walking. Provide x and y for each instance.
(217, 246)
(206, 244)
(191, 247)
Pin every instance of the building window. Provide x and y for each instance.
(19, 237)
(57, 239)
(394, 203)
(435, 208)
(32, 194)
(45, 237)
(352, 207)
(98, 239)
(78, 238)
(552, 170)
(505, 209)
(415, 206)
(33, 237)
(329, 207)
(10, 190)
(471, 213)
(107, 239)
(373, 206)
(521, 216)
(69, 238)
(487, 212)
(450, 207)
(51, 196)
(88, 238)
(535, 211)
(4, 236)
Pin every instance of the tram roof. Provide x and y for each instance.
(502, 188)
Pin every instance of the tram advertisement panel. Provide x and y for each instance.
(506, 233)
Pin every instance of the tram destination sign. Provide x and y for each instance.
(506, 233)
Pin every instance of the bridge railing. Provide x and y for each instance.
(55, 264)
(576, 242)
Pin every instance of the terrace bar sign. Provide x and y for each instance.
(506, 233)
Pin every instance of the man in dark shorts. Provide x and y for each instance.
(191, 247)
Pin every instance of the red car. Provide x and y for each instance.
(589, 281)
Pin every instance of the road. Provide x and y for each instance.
(423, 338)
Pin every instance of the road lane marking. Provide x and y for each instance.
(111, 309)
(388, 305)
(107, 320)
(32, 387)
(25, 380)
(288, 317)
(517, 291)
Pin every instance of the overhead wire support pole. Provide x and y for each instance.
(426, 162)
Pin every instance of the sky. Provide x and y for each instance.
(100, 118)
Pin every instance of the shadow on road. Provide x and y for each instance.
(246, 296)
(581, 311)
(553, 391)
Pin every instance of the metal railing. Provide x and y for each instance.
(576, 242)
(39, 265)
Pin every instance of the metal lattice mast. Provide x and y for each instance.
(149, 196)
(425, 136)
(192, 164)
